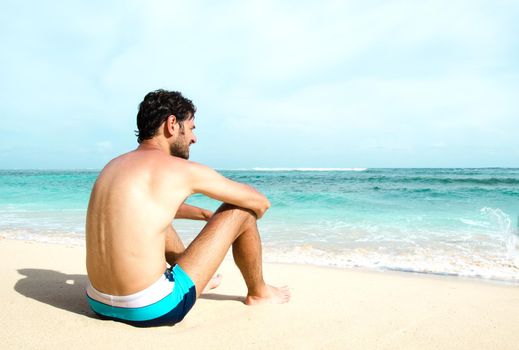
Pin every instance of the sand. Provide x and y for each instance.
(42, 293)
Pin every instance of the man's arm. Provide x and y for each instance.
(186, 211)
(205, 180)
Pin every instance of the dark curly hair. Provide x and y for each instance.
(156, 107)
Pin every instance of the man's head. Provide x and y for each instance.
(170, 114)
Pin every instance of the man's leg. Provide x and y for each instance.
(175, 248)
(230, 225)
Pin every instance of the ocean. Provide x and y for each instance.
(456, 222)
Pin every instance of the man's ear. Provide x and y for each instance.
(171, 124)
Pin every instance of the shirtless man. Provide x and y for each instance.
(129, 234)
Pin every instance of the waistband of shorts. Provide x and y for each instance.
(152, 294)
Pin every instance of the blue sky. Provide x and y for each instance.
(277, 84)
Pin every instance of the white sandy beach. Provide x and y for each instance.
(42, 293)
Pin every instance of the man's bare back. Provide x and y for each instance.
(132, 206)
(129, 233)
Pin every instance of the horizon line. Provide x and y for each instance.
(266, 169)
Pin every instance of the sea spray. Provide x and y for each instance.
(509, 233)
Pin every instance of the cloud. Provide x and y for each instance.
(104, 146)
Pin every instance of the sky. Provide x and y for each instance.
(276, 83)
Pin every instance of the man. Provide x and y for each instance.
(129, 232)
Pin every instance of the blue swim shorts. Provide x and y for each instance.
(166, 301)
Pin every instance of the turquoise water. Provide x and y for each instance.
(441, 221)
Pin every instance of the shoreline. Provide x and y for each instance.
(409, 274)
(417, 274)
(42, 289)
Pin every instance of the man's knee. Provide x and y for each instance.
(246, 214)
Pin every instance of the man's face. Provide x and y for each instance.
(184, 139)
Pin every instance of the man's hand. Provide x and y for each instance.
(186, 211)
(207, 214)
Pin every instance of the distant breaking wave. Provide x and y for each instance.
(444, 180)
(309, 169)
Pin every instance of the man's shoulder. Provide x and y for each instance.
(184, 174)
(159, 165)
(180, 164)
(182, 169)
(177, 164)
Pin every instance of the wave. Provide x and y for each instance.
(511, 236)
(444, 181)
(309, 169)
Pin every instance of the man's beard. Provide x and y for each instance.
(180, 150)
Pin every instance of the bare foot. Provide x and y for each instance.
(269, 295)
(213, 283)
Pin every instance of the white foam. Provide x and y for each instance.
(474, 223)
(65, 238)
(309, 169)
(428, 260)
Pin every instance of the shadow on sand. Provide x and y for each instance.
(212, 296)
(67, 292)
(55, 288)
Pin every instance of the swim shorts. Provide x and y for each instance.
(166, 301)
